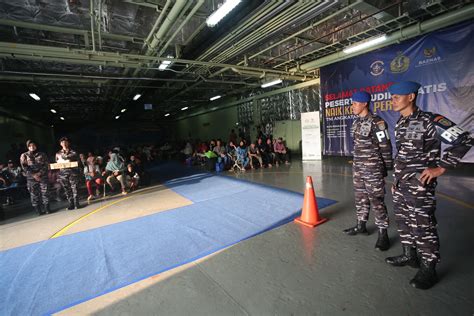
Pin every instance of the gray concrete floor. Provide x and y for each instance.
(293, 270)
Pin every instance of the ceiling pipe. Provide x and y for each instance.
(270, 27)
(191, 14)
(284, 13)
(167, 23)
(270, 6)
(335, 31)
(91, 11)
(99, 23)
(157, 22)
(405, 33)
(313, 25)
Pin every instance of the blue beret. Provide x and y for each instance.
(361, 96)
(404, 87)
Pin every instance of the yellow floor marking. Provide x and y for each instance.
(65, 228)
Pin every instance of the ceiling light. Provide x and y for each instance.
(53, 111)
(117, 117)
(61, 118)
(220, 13)
(123, 110)
(215, 98)
(136, 97)
(185, 108)
(167, 114)
(35, 96)
(271, 83)
(165, 63)
(364, 45)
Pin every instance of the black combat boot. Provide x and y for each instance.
(71, 205)
(383, 243)
(46, 209)
(426, 277)
(77, 205)
(358, 229)
(408, 258)
(39, 210)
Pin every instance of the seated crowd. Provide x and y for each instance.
(265, 152)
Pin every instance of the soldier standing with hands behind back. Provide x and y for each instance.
(372, 159)
(35, 165)
(69, 177)
(417, 165)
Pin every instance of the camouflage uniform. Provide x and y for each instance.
(36, 163)
(372, 159)
(69, 177)
(418, 139)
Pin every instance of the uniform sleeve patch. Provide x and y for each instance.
(381, 125)
(443, 121)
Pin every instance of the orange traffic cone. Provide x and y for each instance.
(310, 214)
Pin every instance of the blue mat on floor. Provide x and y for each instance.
(52, 275)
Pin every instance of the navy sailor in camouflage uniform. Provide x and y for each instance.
(372, 159)
(417, 165)
(69, 177)
(35, 166)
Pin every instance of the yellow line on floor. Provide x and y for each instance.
(65, 228)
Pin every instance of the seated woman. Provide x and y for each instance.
(270, 152)
(242, 156)
(281, 153)
(254, 156)
(221, 153)
(116, 169)
(92, 173)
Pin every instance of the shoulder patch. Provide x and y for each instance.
(441, 120)
(381, 125)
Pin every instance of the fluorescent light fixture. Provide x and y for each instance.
(185, 108)
(117, 117)
(271, 83)
(61, 118)
(136, 97)
(165, 63)
(35, 96)
(123, 110)
(215, 98)
(53, 111)
(220, 13)
(167, 114)
(364, 45)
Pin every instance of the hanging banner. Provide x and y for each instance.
(311, 136)
(440, 61)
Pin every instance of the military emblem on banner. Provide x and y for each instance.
(429, 52)
(377, 68)
(400, 63)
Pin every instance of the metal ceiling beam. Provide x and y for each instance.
(66, 55)
(66, 30)
(405, 33)
(33, 76)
